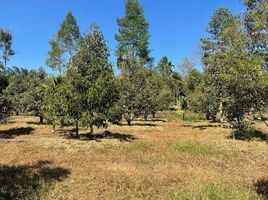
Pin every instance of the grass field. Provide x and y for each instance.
(164, 159)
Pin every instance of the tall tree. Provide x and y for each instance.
(64, 44)
(165, 67)
(33, 97)
(171, 79)
(256, 22)
(213, 48)
(89, 89)
(133, 36)
(6, 39)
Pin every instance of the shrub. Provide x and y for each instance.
(115, 114)
(243, 130)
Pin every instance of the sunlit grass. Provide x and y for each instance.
(214, 191)
(194, 149)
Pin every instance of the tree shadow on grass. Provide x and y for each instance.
(261, 187)
(200, 127)
(100, 137)
(257, 135)
(11, 133)
(139, 124)
(35, 123)
(204, 127)
(28, 181)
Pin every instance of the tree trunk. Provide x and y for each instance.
(5, 63)
(214, 118)
(91, 130)
(41, 119)
(129, 122)
(183, 116)
(153, 113)
(207, 116)
(76, 129)
(54, 127)
(17, 113)
(221, 115)
(146, 117)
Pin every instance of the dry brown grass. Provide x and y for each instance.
(164, 160)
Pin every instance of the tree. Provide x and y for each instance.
(213, 50)
(234, 72)
(89, 89)
(52, 105)
(256, 20)
(165, 67)
(171, 79)
(5, 104)
(131, 84)
(64, 44)
(33, 97)
(133, 36)
(6, 39)
(186, 67)
(16, 88)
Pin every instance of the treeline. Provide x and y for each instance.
(87, 93)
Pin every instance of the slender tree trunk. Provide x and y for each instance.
(146, 117)
(153, 113)
(41, 119)
(221, 115)
(183, 115)
(91, 130)
(17, 113)
(207, 116)
(76, 129)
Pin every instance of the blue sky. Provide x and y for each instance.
(176, 26)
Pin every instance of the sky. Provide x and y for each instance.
(176, 26)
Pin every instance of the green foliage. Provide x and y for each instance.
(243, 131)
(64, 44)
(165, 67)
(132, 86)
(5, 108)
(115, 114)
(6, 50)
(88, 90)
(183, 103)
(234, 74)
(133, 36)
(17, 88)
(33, 97)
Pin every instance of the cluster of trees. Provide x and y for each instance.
(234, 55)
(87, 93)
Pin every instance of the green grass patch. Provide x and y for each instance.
(216, 192)
(141, 146)
(195, 149)
(190, 116)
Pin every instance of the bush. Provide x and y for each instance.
(243, 131)
(5, 108)
(115, 114)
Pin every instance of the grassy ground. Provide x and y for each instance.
(160, 159)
